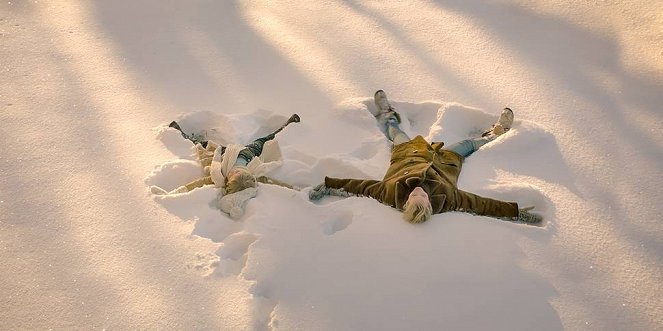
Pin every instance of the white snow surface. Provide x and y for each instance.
(89, 87)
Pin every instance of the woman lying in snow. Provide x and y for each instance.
(235, 169)
(422, 178)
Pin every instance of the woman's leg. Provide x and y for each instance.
(395, 134)
(469, 146)
(388, 119)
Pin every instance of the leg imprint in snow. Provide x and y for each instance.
(205, 263)
(264, 308)
(337, 223)
(234, 253)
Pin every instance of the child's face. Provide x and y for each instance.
(238, 180)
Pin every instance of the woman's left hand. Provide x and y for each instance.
(318, 192)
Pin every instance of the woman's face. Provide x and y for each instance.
(418, 193)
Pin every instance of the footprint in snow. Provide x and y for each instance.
(234, 253)
(337, 223)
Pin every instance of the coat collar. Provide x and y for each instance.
(403, 190)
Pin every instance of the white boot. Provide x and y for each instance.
(506, 118)
(386, 113)
(381, 101)
(502, 125)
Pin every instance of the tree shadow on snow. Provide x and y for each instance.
(573, 56)
(182, 57)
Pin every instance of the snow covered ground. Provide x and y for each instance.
(88, 88)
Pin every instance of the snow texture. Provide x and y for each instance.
(89, 88)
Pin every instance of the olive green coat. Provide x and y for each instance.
(418, 163)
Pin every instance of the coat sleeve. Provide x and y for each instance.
(365, 187)
(479, 205)
(272, 181)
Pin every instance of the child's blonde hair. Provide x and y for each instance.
(417, 210)
(239, 178)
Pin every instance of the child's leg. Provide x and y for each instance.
(255, 148)
(194, 138)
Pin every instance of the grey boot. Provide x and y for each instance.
(525, 216)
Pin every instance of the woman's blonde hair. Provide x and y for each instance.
(239, 179)
(417, 210)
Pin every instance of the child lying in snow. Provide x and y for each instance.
(234, 169)
(422, 178)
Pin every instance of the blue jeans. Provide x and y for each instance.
(395, 134)
(464, 147)
(468, 146)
